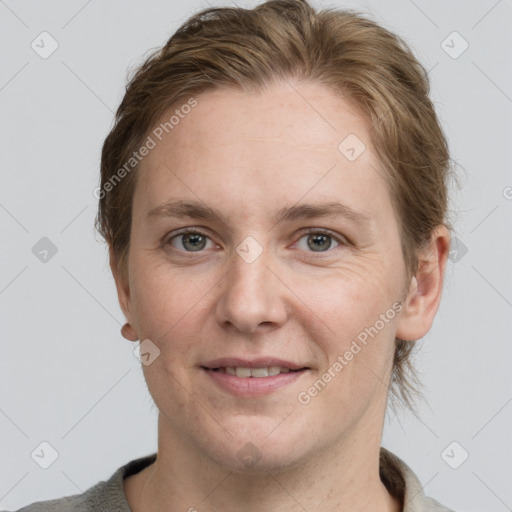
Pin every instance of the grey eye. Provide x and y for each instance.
(319, 241)
(192, 241)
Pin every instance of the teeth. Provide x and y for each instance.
(254, 372)
(259, 372)
(243, 372)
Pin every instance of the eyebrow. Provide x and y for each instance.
(196, 210)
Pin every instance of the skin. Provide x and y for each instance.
(248, 155)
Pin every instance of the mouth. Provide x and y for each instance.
(244, 372)
(250, 379)
(245, 364)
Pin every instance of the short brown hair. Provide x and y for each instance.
(281, 39)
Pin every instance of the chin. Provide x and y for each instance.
(253, 459)
(259, 445)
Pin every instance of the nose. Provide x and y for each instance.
(252, 295)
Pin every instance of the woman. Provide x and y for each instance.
(274, 197)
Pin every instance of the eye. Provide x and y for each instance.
(189, 240)
(320, 241)
(192, 240)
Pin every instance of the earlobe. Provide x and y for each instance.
(128, 332)
(425, 290)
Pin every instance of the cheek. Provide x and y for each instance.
(171, 309)
(168, 313)
(350, 316)
(161, 294)
(351, 296)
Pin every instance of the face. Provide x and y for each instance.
(319, 293)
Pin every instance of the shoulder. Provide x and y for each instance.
(435, 506)
(403, 483)
(67, 504)
(105, 496)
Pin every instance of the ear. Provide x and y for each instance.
(425, 290)
(124, 297)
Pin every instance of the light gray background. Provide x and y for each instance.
(67, 375)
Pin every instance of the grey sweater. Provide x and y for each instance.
(109, 496)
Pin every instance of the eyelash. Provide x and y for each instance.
(342, 241)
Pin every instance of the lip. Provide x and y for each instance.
(259, 362)
(252, 386)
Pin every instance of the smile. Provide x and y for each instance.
(240, 371)
(251, 382)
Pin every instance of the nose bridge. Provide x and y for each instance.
(253, 257)
(251, 295)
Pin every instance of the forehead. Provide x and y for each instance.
(300, 117)
(241, 149)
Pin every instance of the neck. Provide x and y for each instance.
(341, 478)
